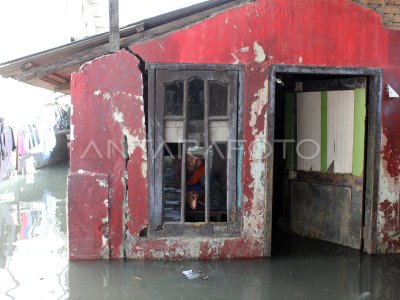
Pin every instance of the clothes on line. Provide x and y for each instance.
(33, 137)
(38, 137)
(7, 146)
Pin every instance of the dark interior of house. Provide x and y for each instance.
(282, 211)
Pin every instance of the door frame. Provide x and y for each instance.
(373, 144)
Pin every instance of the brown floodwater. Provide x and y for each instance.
(34, 261)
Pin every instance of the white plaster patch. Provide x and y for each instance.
(133, 141)
(257, 167)
(236, 59)
(254, 220)
(244, 49)
(300, 60)
(97, 92)
(258, 52)
(106, 203)
(122, 250)
(102, 182)
(105, 252)
(258, 105)
(253, 226)
(119, 117)
(106, 96)
(81, 171)
(389, 190)
(156, 254)
(389, 187)
(143, 168)
(226, 21)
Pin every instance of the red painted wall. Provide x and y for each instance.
(106, 129)
(256, 34)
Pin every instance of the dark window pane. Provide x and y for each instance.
(196, 99)
(195, 121)
(218, 182)
(172, 182)
(173, 99)
(218, 99)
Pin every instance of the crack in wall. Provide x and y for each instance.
(127, 150)
(125, 207)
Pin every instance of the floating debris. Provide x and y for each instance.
(191, 274)
(204, 277)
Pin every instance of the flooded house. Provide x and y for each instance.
(205, 132)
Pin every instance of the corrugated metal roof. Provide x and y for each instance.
(51, 69)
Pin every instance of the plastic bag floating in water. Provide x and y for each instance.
(191, 274)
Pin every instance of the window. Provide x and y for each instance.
(193, 120)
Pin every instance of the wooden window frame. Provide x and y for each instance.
(157, 76)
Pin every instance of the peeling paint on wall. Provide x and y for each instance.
(102, 183)
(119, 117)
(106, 96)
(258, 105)
(258, 52)
(105, 250)
(389, 208)
(236, 61)
(133, 140)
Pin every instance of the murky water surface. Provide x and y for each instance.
(34, 261)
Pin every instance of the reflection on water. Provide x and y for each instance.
(33, 251)
(34, 262)
(308, 270)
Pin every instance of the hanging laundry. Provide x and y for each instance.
(7, 147)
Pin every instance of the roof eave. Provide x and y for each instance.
(51, 69)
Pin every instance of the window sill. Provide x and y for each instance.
(198, 229)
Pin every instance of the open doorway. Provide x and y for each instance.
(324, 125)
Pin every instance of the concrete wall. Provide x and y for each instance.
(108, 134)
